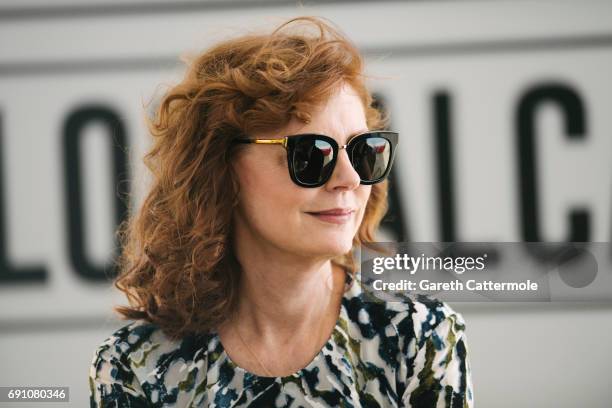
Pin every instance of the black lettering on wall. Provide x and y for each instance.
(72, 139)
(444, 161)
(573, 114)
(10, 274)
(572, 109)
(442, 124)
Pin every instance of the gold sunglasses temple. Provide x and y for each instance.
(282, 141)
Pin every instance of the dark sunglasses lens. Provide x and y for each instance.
(312, 160)
(371, 157)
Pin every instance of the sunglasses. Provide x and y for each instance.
(312, 157)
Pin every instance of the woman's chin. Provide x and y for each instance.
(334, 249)
(329, 243)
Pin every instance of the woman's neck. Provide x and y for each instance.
(279, 303)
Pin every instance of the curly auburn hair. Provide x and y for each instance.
(176, 267)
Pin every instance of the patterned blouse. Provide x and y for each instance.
(408, 353)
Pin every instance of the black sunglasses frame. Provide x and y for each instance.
(290, 142)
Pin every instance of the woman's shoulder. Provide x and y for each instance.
(123, 342)
(420, 337)
(425, 319)
(141, 349)
(412, 316)
(126, 348)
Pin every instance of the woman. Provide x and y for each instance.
(269, 169)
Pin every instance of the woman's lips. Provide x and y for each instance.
(336, 216)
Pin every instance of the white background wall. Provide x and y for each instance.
(485, 55)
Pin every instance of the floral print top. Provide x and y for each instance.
(406, 353)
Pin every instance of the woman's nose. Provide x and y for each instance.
(344, 175)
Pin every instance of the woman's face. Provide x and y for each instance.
(276, 214)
